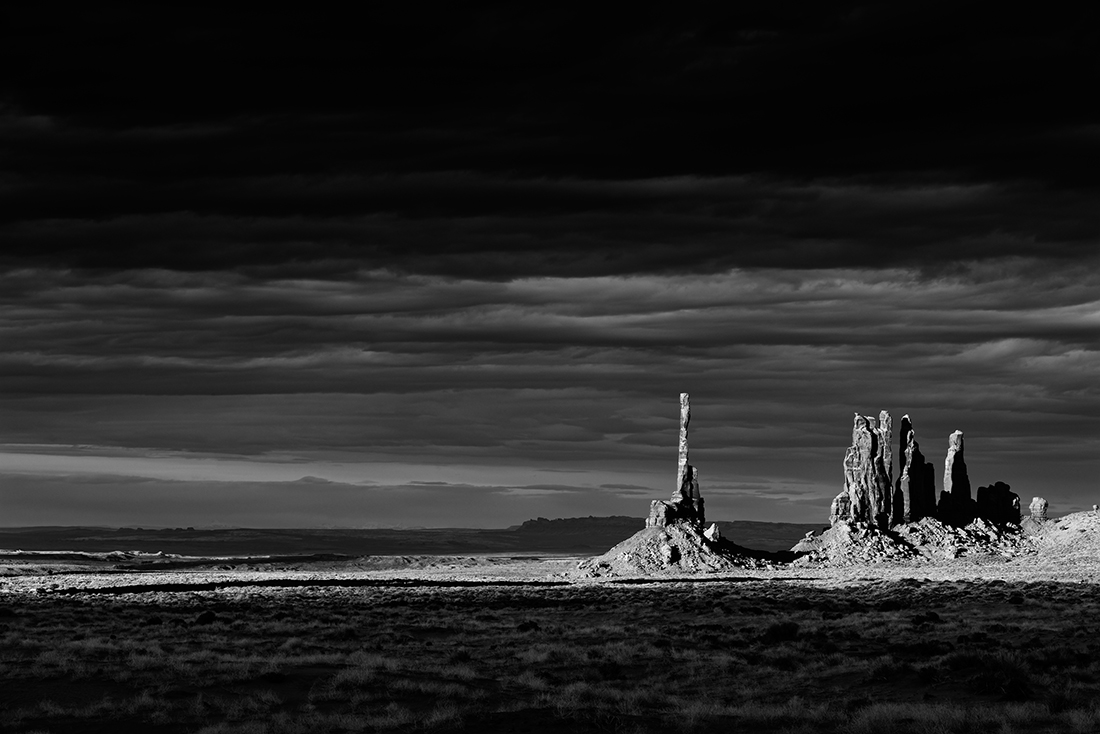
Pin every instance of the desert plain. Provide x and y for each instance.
(156, 641)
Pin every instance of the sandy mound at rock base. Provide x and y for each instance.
(925, 541)
(674, 550)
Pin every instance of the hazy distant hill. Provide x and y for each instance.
(577, 535)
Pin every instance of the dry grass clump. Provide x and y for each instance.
(909, 656)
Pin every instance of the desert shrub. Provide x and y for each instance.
(1062, 699)
(694, 714)
(783, 658)
(903, 718)
(1081, 719)
(757, 715)
(780, 632)
(887, 668)
(528, 679)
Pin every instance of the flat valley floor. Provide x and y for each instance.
(518, 644)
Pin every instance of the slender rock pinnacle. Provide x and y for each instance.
(915, 490)
(685, 418)
(956, 505)
(687, 503)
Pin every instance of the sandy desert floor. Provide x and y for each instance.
(500, 643)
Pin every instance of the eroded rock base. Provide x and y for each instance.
(676, 549)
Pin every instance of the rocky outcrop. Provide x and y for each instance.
(851, 544)
(1038, 509)
(673, 550)
(868, 469)
(998, 503)
(956, 505)
(687, 503)
(915, 491)
(913, 544)
(673, 541)
(683, 507)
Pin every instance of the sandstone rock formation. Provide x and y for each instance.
(687, 503)
(868, 469)
(674, 550)
(926, 541)
(682, 454)
(915, 491)
(673, 541)
(956, 505)
(997, 503)
(850, 544)
(681, 508)
(1038, 509)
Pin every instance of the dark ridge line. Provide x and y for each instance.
(297, 583)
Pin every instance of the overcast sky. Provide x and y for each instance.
(453, 268)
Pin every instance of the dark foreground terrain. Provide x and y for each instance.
(402, 654)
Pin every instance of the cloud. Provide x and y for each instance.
(113, 500)
(508, 261)
(478, 225)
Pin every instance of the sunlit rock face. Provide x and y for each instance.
(686, 504)
(1038, 509)
(682, 471)
(915, 491)
(868, 467)
(997, 503)
(956, 505)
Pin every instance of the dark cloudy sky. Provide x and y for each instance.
(453, 267)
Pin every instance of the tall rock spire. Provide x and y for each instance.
(915, 491)
(956, 505)
(682, 462)
(686, 504)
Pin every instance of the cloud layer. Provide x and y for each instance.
(502, 242)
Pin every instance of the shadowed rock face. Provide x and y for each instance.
(915, 491)
(956, 505)
(997, 503)
(868, 467)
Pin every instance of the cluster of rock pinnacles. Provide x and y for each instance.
(871, 496)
